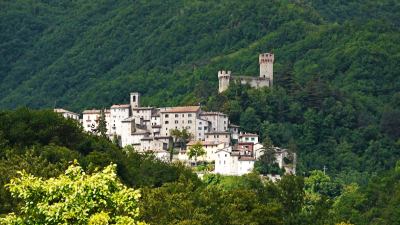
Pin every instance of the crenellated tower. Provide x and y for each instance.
(266, 61)
(224, 78)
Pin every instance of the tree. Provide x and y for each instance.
(195, 151)
(102, 127)
(266, 163)
(249, 120)
(181, 137)
(74, 198)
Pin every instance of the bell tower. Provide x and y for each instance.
(266, 61)
(224, 78)
(135, 100)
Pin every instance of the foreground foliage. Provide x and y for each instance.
(74, 198)
(171, 193)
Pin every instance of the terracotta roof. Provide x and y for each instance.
(245, 143)
(182, 109)
(121, 106)
(91, 111)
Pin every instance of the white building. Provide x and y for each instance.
(118, 113)
(219, 121)
(67, 114)
(184, 117)
(132, 132)
(248, 137)
(224, 137)
(90, 120)
(211, 148)
(230, 162)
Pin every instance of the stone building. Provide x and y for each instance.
(67, 114)
(265, 79)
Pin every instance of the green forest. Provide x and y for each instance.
(335, 101)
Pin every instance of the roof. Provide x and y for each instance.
(248, 135)
(147, 138)
(129, 119)
(140, 133)
(64, 111)
(91, 111)
(121, 106)
(162, 137)
(218, 132)
(143, 108)
(223, 150)
(213, 113)
(204, 143)
(247, 158)
(245, 143)
(182, 109)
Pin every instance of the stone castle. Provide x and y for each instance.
(266, 61)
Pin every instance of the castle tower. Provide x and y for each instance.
(135, 99)
(224, 78)
(266, 61)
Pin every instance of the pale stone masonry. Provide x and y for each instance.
(67, 114)
(265, 79)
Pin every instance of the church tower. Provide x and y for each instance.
(266, 61)
(135, 99)
(224, 78)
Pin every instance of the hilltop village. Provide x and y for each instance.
(151, 129)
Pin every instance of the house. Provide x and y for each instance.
(230, 162)
(248, 137)
(67, 114)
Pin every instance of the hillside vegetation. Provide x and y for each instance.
(42, 144)
(336, 98)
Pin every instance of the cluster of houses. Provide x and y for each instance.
(149, 128)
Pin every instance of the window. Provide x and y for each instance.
(176, 115)
(189, 121)
(166, 115)
(252, 139)
(183, 115)
(246, 139)
(176, 121)
(199, 128)
(189, 115)
(166, 122)
(200, 123)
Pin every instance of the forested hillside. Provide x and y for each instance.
(336, 96)
(43, 144)
(80, 54)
